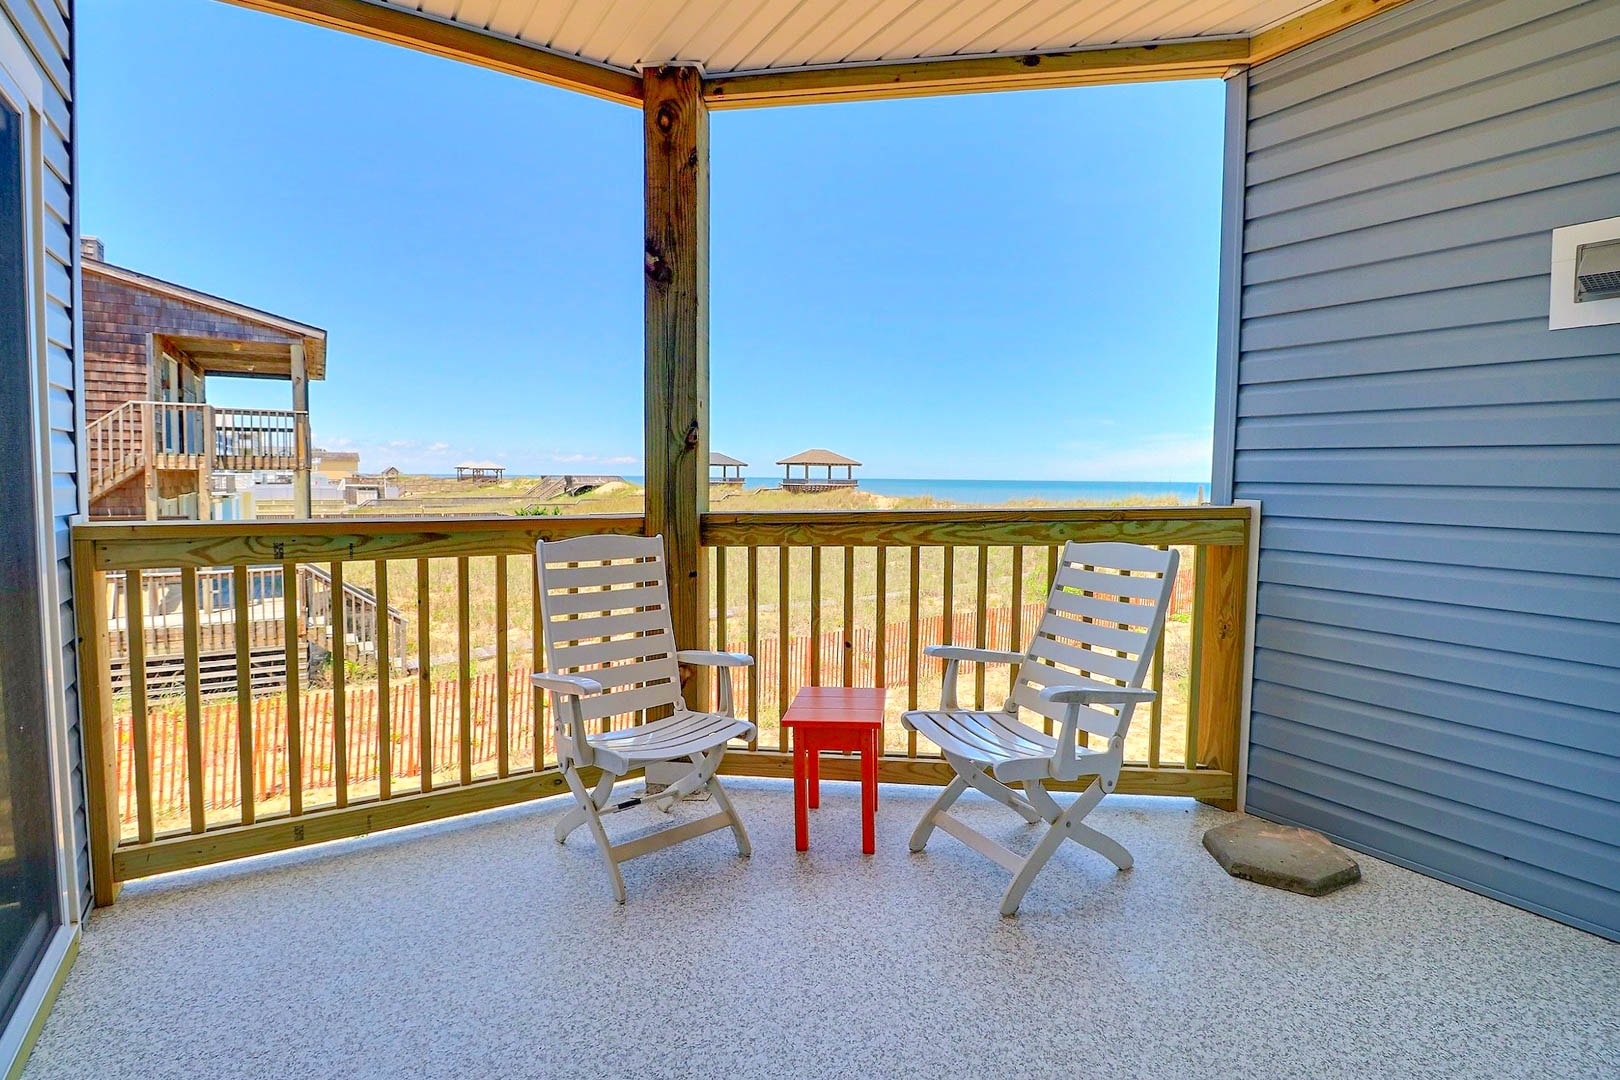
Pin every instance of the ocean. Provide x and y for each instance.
(998, 492)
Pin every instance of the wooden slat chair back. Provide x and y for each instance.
(611, 652)
(604, 608)
(1083, 672)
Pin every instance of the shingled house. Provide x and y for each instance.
(154, 442)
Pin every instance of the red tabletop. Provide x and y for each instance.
(848, 705)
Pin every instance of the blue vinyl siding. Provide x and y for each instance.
(43, 25)
(1437, 648)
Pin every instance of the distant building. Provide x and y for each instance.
(336, 464)
(818, 460)
(730, 469)
(480, 470)
(154, 441)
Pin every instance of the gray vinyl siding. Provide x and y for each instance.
(44, 26)
(1437, 648)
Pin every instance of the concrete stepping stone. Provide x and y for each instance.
(1281, 856)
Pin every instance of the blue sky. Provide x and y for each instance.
(1016, 286)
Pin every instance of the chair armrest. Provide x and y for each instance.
(1098, 694)
(954, 655)
(570, 685)
(706, 658)
(972, 656)
(1077, 717)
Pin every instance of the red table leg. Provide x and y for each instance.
(815, 774)
(801, 812)
(868, 799)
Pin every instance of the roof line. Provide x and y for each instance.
(1209, 57)
(429, 33)
(196, 296)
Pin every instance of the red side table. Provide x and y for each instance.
(834, 718)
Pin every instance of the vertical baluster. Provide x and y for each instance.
(294, 661)
(464, 662)
(913, 653)
(424, 672)
(815, 616)
(385, 727)
(1051, 583)
(880, 617)
(192, 658)
(1156, 707)
(140, 740)
(948, 600)
(536, 644)
(340, 687)
(1015, 626)
(849, 617)
(1195, 658)
(720, 636)
(752, 673)
(782, 642)
(981, 601)
(241, 590)
(503, 680)
(880, 630)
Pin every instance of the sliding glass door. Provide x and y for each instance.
(29, 906)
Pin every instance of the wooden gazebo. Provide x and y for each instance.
(818, 459)
(480, 470)
(730, 469)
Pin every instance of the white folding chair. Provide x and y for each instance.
(610, 651)
(1083, 671)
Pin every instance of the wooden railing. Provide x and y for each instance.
(256, 439)
(190, 778)
(189, 436)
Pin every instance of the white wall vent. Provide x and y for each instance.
(1585, 275)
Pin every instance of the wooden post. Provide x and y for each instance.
(1221, 613)
(676, 129)
(205, 475)
(302, 508)
(149, 445)
(96, 715)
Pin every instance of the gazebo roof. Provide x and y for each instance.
(818, 457)
(781, 51)
(481, 465)
(717, 458)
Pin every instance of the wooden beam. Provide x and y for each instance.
(1313, 25)
(357, 819)
(453, 41)
(1210, 784)
(970, 75)
(120, 545)
(676, 265)
(303, 507)
(902, 528)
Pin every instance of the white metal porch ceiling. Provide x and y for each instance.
(773, 52)
(728, 36)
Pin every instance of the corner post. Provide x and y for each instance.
(100, 731)
(676, 264)
(301, 453)
(1222, 616)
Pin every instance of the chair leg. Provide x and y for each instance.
(745, 847)
(952, 792)
(579, 815)
(1086, 836)
(1067, 827)
(593, 818)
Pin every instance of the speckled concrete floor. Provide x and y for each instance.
(478, 948)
